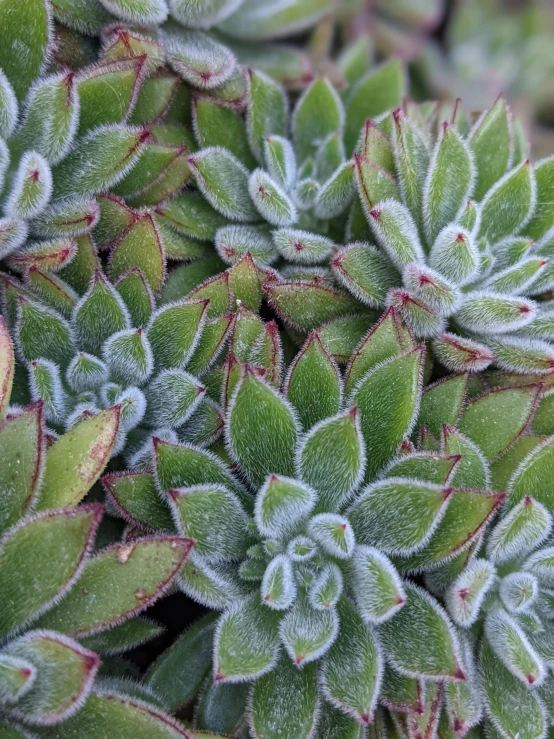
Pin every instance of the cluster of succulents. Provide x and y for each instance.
(235, 277)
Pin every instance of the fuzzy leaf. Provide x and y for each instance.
(140, 247)
(266, 113)
(518, 591)
(102, 158)
(331, 458)
(65, 672)
(495, 420)
(172, 397)
(441, 403)
(507, 700)
(532, 476)
(137, 500)
(65, 537)
(31, 187)
(336, 193)
(89, 446)
(460, 354)
(278, 587)
(42, 333)
(16, 678)
(455, 255)
(411, 155)
(317, 114)
(313, 385)
(448, 183)
(7, 368)
(214, 518)
(174, 331)
(137, 296)
(307, 633)
(365, 272)
(353, 688)
(200, 60)
(191, 215)
(406, 532)
(234, 242)
(27, 36)
(129, 356)
(543, 213)
(246, 641)
(508, 205)
(285, 701)
(525, 527)
(118, 583)
(396, 232)
(467, 593)
(491, 143)
(377, 586)
(219, 126)
(333, 533)
(280, 160)
(262, 430)
(223, 181)
(271, 201)
(420, 641)
(99, 314)
(280, 504)
(401, 693)
(424, 466)
(388, 398)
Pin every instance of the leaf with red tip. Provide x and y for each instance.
(76, 460)
(420, 641)
(495, 420)
(140, 246)
(533, 476)
(7, 367)
(378, 590)
(123, 716)
(22, 451)
(388, 398)
(65, 537)
(285, 686)
(374, 184)
(366, 273)
(306, 306)
(119, 582)
(473, 470)
(65, 673)
(465, 596)
(313, 385)
(511, 645)
(306, 633)
(460, 354)
(137, 500)
(424, 466)
(441, 403)
(200, 60)
(402, 693)
(425, 724)
(388, 338)
(16, 678)
(261, 429)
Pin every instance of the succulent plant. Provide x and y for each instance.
(62, 600)
(342, 554)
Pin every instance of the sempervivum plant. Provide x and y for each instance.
(63, 602)
(463, 224)
(314, 541)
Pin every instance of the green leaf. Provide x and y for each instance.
(43, 333)
(178, 673)
(22, 449)
(543, 213)
(411, 155)
(192, 216)
(137, 500)
(424, 466)
(331, 459)
(234, 242)
(388, 397)
(455, 255)
(521, 530)
(507, 699)
(303, 247)
(448, 182)
(404, 533)
(140, 247)
(79, 272)
(460, 354)
(245, 283)
(465, 596)
(65, 537)
(246, 641)
(141, 12)
(267, 113)
(180, 466)
(261, 430)
(16, 678)
(532, 477)
(396, 233)
(128, 635)
(174, 331)
(220, 708)
(495, 420)
(280, 504)
(270, 199)
(200, 60)
(101, 159)
(374, 184)
(276, 21)
(172, 398)
(313, 385)
(336, 194)
(441, 404)
(119, 582)
(27, 36)
(472, 470)
(365, 272)
(508, 205)
(380, 90)
(285, 702)
(64, 675)
(420, 641)
(99, 314)
(402, 693)
(31, 187)
(216, 125)
(223, 181)
(491, 142)
(388, 337)
(307, 634)
(503, 468)
(8, 110)
(123, 716)
(89, 446)
(378, 590)
(306, 306)
(317, 114)
(214, 518)
(137, 295)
